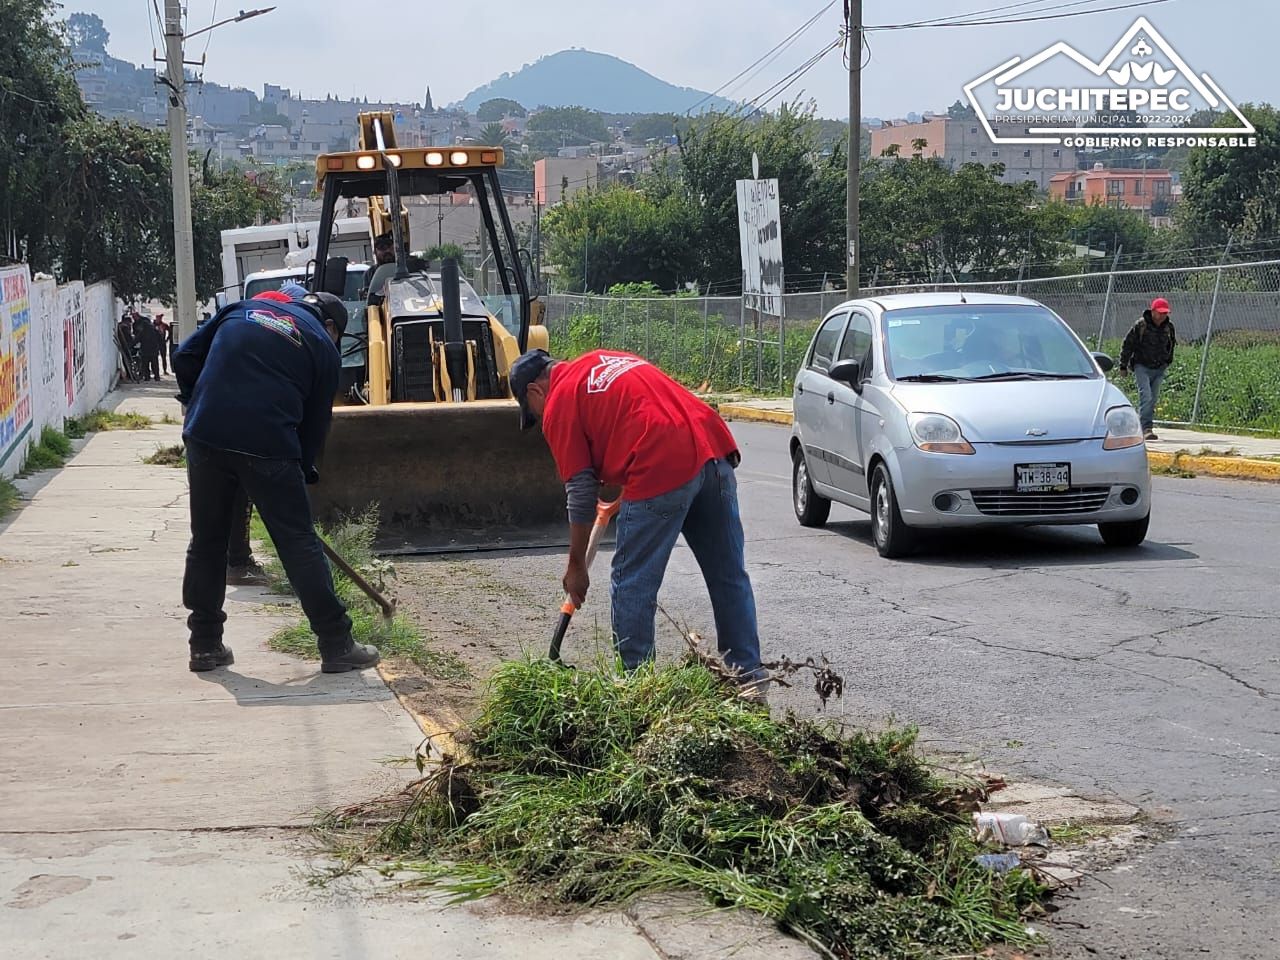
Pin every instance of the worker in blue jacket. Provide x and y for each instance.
(258, 382)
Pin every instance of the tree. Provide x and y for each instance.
(1234, 191)
(442, 251)
(619, 235)
(1101, 226)
(653, 126)
(554, 127)
(717, 150)
(961, 110)
(86, 31)
(922, 220)
(492, 135)
(499, 108)
(87, 198)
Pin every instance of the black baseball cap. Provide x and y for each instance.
(527, 368)
(330, 309)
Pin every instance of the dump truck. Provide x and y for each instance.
(424, 425)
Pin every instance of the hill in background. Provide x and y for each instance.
(596, 81)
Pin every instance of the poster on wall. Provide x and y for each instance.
(71, 302)
(43, 298)
(15, 379)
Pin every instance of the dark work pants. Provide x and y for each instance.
(239, 552)
(150, 366)
(164, 357)
(277, 488)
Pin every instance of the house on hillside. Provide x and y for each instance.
(957, 142)
(1149, 190)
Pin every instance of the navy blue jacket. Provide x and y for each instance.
(259, 378)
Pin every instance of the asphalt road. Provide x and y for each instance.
(1152, 675)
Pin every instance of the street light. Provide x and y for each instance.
(176, 80)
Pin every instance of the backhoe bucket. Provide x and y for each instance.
(445, 477)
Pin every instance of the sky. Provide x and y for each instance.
(318, 47)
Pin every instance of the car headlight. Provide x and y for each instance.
(937, 434)
(1124, 429)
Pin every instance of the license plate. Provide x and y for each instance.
(1042, 477)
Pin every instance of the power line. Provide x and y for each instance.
(786, 41)
(1023, 5)
(1053, 16)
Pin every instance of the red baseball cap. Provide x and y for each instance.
(1160, 303)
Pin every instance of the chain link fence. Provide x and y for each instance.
(1226, 372)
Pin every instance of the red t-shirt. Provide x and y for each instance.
(636, 427)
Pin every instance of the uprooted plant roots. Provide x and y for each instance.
(587, 787)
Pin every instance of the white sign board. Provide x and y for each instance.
(760, 238)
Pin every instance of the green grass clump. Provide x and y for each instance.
(50, 453)
(96, 420)
(8, 497)
(173, 455)
(588, 787)
(398, 637)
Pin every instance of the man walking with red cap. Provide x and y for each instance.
(1148, 351)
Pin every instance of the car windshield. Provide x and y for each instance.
(982, 342)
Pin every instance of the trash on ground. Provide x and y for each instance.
(1010, 830)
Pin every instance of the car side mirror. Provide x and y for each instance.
(847, 371)
(335, 276)
(1105, 362)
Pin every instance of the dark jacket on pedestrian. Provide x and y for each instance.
(148, 339)
(259, 378)
(1148, 344)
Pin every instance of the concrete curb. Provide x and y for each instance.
(1229, 468)
(734, 411)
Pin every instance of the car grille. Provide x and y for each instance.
(1009, 503)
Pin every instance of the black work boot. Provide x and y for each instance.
(210, 658)
(250, 574)
(358, 656)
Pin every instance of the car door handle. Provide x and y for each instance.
(831, 397)
(800, 388)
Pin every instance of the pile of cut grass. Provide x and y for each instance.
(353, 538)
(583, 786)
(96, 420)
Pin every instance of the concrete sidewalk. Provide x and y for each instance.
(1220, 454)
(153, 812)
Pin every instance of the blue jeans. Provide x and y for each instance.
(217, 479)
(1149, 380)
(705, 510)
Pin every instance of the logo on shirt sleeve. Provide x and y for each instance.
(609, 369)
(280, 323)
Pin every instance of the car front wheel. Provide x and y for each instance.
(892, 537)
(1126, 533)
(811, 509)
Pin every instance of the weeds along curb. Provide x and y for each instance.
(734, 411)
(1229, 468)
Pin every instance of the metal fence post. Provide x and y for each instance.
(1106, 300)
(648, 322)
(1208, 333)
(742, 335)
(675, 333)
(782, 347)
(706, 331)
(625, 341)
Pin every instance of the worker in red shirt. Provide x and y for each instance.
(613, 418)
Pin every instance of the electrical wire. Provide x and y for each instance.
(1023, 5)
(785, 41)
(213, 18)
(974, 23)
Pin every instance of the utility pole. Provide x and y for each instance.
(180, 174)
(183, 246)
(853, 25)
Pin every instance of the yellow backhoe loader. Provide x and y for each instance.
(424, 425)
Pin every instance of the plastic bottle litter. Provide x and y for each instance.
(1010, 829)
(998, 862)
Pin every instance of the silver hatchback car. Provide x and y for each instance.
(943, 410)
